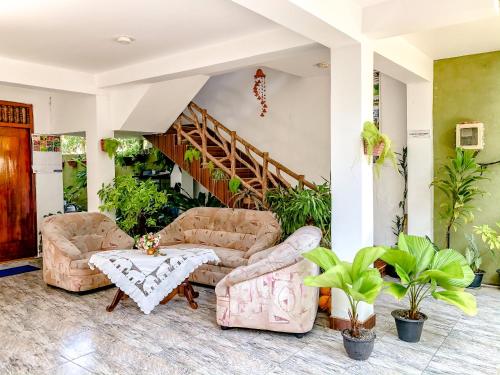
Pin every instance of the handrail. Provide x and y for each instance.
(236, 150)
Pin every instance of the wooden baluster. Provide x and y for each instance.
(204, 136)
(179, 134)
(233, 154)
(301, 181)
(265, 166)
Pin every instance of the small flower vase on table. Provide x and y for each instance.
(149, 243)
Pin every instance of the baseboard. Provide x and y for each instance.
(340, 324)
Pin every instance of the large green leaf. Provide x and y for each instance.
(364, 258)
(466, 278)
(395, 289)
(325, 258)
(405, 260)
(366, 288)
(405, 278)
(334, 277)
(420, 247)
(463, 300)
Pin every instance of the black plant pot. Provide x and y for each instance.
(408, 330)
(478, 279)
(359, 349)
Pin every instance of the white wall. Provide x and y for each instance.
(53, 113)
(388, 188)
(295, 131)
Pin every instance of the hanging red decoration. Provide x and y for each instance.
(259, 90)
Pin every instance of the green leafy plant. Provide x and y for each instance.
(136, 203)
(110, 145)
(489, 235)
(219, 175)
(234, 184)
(192, 154)
(458, 180)
(373, 139)
(359, 281)
(296, 207)
(400, 221)
(247, 198)
(422, 270)
(72, 144)
(473, 254)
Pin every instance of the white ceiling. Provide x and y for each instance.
(458, 40)
(78, 34)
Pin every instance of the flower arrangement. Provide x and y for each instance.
(149, 243)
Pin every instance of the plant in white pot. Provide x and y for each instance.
(425, 271)
(359, 281)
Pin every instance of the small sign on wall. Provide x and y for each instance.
(47, 156)
(419, 133)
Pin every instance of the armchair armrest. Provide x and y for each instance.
(62, 245)
(117, 239)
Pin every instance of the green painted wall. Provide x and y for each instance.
(467, 88)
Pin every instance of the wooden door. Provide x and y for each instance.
(17, 206)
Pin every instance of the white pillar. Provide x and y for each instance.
(352, 175)
(420, 159)
(100, 167)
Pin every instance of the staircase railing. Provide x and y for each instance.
(266, 172)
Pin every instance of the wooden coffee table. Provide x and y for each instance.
(184, 289)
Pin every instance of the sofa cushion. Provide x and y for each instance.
(228, 257)
(233, 240)
(87, 242)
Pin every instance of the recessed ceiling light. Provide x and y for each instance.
(124, 39)
(322, 65)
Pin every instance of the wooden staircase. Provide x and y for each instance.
(257, 171)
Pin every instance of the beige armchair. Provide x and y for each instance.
(269, 292)
(68, 242)
(234, 235)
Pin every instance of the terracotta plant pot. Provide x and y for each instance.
(361, 348)
(102, 145)
(409, 330)
(377, 150)
(72, 163)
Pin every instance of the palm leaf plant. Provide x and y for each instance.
(296, 207)
(377, 144)
(458, 180)
(422, 270)
(359, 281)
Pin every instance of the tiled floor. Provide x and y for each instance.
(48, 331)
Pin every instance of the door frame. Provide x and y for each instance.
(29, 125)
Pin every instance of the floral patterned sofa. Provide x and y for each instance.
(68, 242)
(269, 293)
(235, 235)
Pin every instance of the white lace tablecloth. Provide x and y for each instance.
(148, 279)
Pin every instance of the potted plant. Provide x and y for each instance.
(422, 269)
(110, 145)
(298, 206)
(377, 144)
(490, 237)
(458, 181)
(135, 203)
(474, 259)
(360, 283)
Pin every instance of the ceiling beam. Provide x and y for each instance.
(25, 73)
(332, 23)
(400, 17)
(212, 59)
(403, 61)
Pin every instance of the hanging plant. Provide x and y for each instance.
(110, 145)
(192, 154)
(259, 90)
(234, 185)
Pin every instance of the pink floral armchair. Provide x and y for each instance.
(269, 293)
